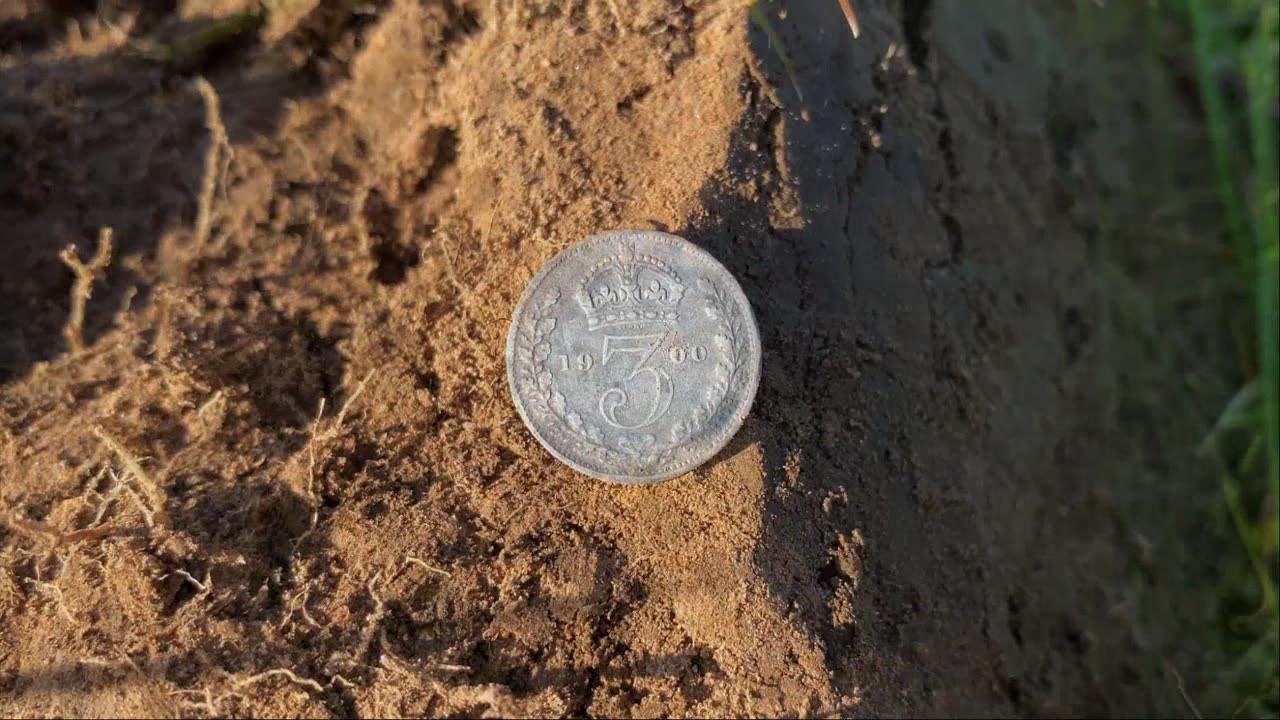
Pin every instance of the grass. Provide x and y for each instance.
(1199, 279)
(1236, 41)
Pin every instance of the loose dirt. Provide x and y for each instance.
(284, 475)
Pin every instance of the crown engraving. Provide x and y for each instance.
(629, 288)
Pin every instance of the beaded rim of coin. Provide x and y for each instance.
(731, 387)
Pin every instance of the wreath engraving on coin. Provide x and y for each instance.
(633, 356)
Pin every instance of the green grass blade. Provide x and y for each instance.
(1207, 42)
(1261, 79)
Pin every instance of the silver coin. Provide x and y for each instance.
(633, 356)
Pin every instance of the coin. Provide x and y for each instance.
(633, 356)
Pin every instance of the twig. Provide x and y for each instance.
(218, 141)
(83, 286)
(851, 17)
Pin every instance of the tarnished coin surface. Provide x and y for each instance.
(633, 356)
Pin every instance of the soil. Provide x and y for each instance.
(289, 439)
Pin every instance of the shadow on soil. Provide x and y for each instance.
(830, 415)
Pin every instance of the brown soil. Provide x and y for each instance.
(317, 467)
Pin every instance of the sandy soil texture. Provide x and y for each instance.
(283, 476)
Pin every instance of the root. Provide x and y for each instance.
(58, 538)
(311, 468)
(105, 500)
(282, 672)
(423, 564)
(55, 594)
(342, 414)
(147, 516)
(218, 143)
(203, 587)
(208, 405)
(83, 286)
(154, 495)
(373, 624)
(463, 290)
(357, 219)
(299, 602)
(319, 436)
(617, 17)
(209, 704)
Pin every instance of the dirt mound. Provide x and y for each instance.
(286, 478)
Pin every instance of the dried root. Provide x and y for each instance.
(56, 537)
(83, 286)
(218, 144)
(154, 503)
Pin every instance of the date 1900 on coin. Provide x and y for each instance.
(633, 356)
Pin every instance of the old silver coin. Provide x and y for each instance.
(633, 356)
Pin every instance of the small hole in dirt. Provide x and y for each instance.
(557, 123)
(998, 44)
(1076, 640)
(625, 104)
(375, 510)
(1075, 333)
(915, 24)
(1013, 690)
(955, 236)
(439, 150)
(429, 381)
(1015, 619)
(393, 262)
(184, 591)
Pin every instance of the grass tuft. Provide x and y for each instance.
(1235, 45)
(1191, 284)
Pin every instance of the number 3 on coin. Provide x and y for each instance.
(618, 397)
